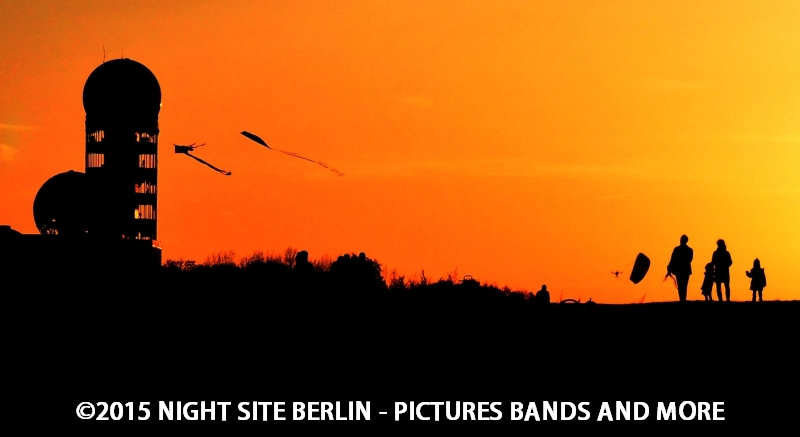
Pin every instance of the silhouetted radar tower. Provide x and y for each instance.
(122, 99)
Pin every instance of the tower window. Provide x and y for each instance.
(95, 160)
(147, 160)
(145, 188)
(145, 212)
(95, 137)
(144, 137)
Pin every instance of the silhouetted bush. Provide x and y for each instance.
(352, 281)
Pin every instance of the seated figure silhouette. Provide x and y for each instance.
(543, 296)
(758, 279)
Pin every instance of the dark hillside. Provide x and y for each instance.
(232, 331)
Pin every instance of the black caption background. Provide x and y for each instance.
(736, 413)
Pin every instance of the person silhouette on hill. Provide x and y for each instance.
(758, 279)
(543, 296)
(722, 275)
(708, 282)
(303, 270)
(680, 265)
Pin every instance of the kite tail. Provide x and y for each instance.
(311, 160)
(226, 173)
(258, 140)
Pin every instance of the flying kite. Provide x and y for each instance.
(186, 149)
(640, 267)
(258, 140)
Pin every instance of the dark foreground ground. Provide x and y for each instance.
(236, 344)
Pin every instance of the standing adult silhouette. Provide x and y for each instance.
(722, 274)
(680, 265)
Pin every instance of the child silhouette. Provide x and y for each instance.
(758, 279)
(708, 282)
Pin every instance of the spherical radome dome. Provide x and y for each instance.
(60, 206)
(122, 86)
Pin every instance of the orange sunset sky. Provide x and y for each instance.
(521, 142)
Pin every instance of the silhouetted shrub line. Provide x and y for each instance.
(350, 276)
(278, 284)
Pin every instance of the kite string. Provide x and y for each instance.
(674, 281)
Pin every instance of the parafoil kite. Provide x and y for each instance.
(640, 267)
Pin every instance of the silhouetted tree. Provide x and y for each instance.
(289, 256)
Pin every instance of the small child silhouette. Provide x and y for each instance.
(758, 279)
(708, 281)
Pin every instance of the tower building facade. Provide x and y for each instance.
(104, 219)
(122, 100)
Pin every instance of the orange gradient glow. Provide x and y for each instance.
(523, 143)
